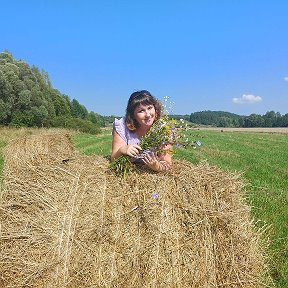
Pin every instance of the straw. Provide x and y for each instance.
(68, 221)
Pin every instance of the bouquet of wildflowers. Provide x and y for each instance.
(164, 131)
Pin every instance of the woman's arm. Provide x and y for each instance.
(119, 147)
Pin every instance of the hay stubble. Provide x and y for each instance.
(68, 221)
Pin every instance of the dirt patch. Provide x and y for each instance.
(68, 221)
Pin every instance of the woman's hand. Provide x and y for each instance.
(131, 150)
(152, 161)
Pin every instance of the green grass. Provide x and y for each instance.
(2, 145)
(260, 157)
(93, 144)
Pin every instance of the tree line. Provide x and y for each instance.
(27, 98)
(227, 119)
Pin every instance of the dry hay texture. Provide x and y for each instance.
(68, 221)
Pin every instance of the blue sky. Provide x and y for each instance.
(220, 55)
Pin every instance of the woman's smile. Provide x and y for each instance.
(145, 114)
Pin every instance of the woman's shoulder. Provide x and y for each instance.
(120, 127)
(119, 124)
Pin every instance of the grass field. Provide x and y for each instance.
(261, 158)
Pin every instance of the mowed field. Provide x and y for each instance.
(259, 155)
(282, 130)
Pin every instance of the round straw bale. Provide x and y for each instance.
(68, 221)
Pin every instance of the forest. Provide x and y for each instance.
(28, 99)
(226, 119)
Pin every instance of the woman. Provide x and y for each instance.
(142, 111)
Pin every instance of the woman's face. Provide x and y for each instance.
(145, 114)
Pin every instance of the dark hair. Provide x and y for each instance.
(140, 97)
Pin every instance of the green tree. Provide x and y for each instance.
(270, 118)
(285, 120)
(24, 70)
(61, 106)
(6, 57)
(254, 120)
(5, 112)
(24, 99)
(96, 119)
(39, 114)
(78, 110)
(5, 87)
(22, 118)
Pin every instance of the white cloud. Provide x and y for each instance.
(286, 78)
(247, 99)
